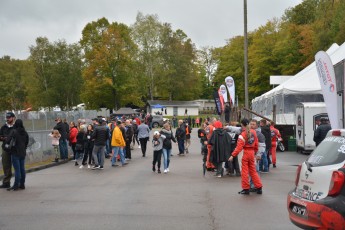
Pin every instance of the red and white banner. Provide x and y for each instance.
(224, 92)
(230, 84)
(221, 99)
(326, 74)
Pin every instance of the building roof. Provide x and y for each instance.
(174, 103)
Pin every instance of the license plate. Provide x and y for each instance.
(299, 210)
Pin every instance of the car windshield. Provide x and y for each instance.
(330, 151)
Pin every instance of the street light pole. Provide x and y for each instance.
(245, 56)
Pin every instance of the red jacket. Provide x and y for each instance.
(251, 145)
(73, 132)
(275, 134)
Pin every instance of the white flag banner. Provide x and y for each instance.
(224, 93)
(230, 84)
(326, 74)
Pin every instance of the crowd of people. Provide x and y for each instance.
(239, 149)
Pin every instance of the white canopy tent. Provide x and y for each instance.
(303, 87)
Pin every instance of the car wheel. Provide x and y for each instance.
(155, 125)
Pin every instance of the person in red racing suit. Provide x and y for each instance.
(275, 134)
(248, 142)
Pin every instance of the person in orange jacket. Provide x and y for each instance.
(248, 142)
(275, 134)
(209, 130)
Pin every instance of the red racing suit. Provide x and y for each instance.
(249, 147)
(209, 131)
(275, 134)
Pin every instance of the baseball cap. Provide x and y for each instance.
(10, 114)
(156, 133)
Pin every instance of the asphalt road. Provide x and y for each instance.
(133, 197)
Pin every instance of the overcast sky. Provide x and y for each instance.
(206, 22)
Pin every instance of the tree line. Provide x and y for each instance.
(114, 64)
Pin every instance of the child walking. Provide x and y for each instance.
(157, 144)
(55, 136)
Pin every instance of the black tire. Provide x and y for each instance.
(155, 125)
(281, 147)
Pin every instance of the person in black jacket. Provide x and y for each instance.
(100, 135)
(180, 136)
(167, 145)
(18, 153)
(62, 128)
(264, 162)
(6, 155)
(128, 139)
(88, 147)
(221, 147)
(321, 131)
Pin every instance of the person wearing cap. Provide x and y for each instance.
(221, 147)
(61, 127)
(321, 131)
(157, 144)
(248, 142)
(5, 132)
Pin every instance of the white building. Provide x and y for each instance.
(171, 108)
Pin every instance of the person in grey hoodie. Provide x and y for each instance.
(143, 135)
(157, 144)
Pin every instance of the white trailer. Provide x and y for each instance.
(308, 115)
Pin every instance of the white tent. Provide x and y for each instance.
(303, 87)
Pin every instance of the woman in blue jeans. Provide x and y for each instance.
(167, 146)
(18, 153)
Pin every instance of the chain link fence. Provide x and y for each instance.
(40, 124)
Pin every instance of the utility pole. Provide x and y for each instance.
(245, 56)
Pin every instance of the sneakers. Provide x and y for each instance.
(88, 166)
(153, 168)
(139, 147)
(165, 171)
(253, 190)
(259, 191)
(5, 186)
(168, 170)
(274, 166)
(96, 167)
(159, 171)
(101, 167)
(76, 164)
(81, 166)
(244, 192)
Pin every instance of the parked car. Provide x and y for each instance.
(318, 200)
(158, 121)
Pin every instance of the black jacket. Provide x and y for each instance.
(265, 130)
(321, 132)
(21, 142)
(181, 132)
(129, 133)
(221, 146)
(61, 127)
(89, 142)
(169, 136)
(100, 135)
(5, 131)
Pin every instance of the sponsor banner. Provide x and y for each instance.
(221, 98)
(326, 74)
(230, 84)
(224, 92)
(217, 102)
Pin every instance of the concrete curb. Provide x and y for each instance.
(38, 168)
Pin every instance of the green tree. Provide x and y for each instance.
(109, 60)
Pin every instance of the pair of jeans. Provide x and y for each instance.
(6, 167)
(118, 150)
(87, 155)
(166, 156)
(157, 155)
(143, 144)
(180, 143)
(263, 165)
(98, 155)
(19, 170)
(63, 148)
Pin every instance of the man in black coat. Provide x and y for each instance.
(321, 131)
(61, 127)
(181, 136)
(221, 147)
(5, 132)
(265, 130)
(100, 135)
(128, 139)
